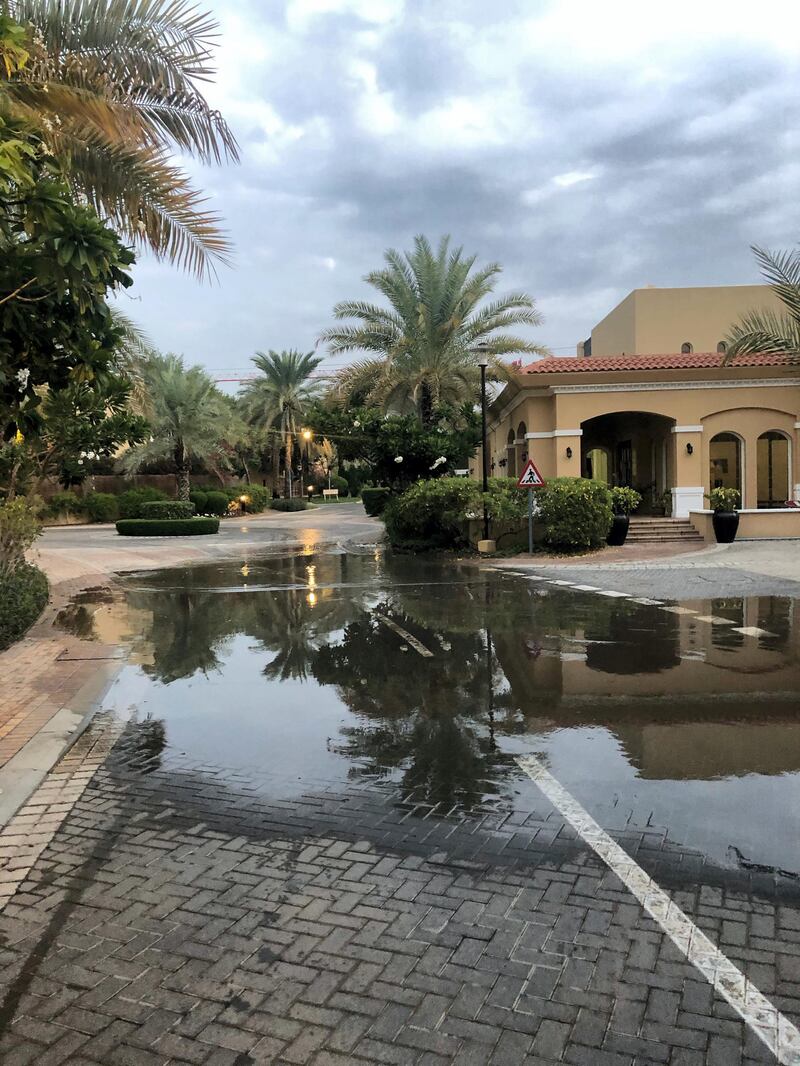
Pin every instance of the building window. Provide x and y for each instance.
(687, 348)
(511, 454)
(725, 462)
(772, 452)
(722, 347)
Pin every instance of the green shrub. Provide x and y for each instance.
(66, 503)
(129, 503)
(257, 496)
(167, 527)
(101, 507)
(19, 528)
(200, 500)
(375, 500)
(167, 509)
(295, 504)
(431, 514)
(23, 595)
(355, 478)
(216, 503)
(340, 483)
(575, 512)
(625, 500)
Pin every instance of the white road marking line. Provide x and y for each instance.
(679, 610)
(715, 620)
(616, 595)
(586, 588)
(766, 1021)
(752, 631)
(555, 581)
(407, 637)
(647, 601)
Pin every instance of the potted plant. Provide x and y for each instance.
(725, 518)
(623, 501)
(665, 503)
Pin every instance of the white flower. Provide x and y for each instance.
(398, 458)
(356, 424)
(22, 377)
(80, 462)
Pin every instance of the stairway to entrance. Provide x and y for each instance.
(656, 530)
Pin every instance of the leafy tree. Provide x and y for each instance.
(397, 449)
(277, 401)
(58, 264)
(188, 418)
(114, 87)
(764, 330)
(423, 346)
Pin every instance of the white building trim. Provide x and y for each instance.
(686, 498)
(674, 386)
(687, 429)
(554, 433)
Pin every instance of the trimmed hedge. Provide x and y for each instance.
(167, 509)
(216, 503)
(130, 502)
(576, 513)
(101, 507)
(375, 500)
(199, 498)
(23, 596)
(257, 495)
(295, 504)
(167, 527)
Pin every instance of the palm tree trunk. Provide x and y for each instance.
(425, 405)
(289, 458)
(276, 466)
(182, 472)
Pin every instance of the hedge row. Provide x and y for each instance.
(295, 504)
(167, 509)
(23, 595)
(375, 500)
(167, 527)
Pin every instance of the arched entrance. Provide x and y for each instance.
(725, 462)
(631, 448)
(773, 451)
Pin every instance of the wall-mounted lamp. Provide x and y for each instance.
(689, 449)
(569, 453)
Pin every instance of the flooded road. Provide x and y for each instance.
(329, 670)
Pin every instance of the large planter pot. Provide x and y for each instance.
(725, 525)
(619, 530)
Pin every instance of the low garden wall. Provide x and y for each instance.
(781, 523)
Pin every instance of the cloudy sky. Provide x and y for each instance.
(589, 147)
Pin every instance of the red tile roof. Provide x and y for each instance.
(678, 361)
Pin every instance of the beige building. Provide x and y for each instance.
(673, 426)
(652, 320)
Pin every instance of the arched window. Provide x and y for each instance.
(722, 347)
(772, 452)
(511, 454)
(687, 348)
(725, 462)
(522, 429)
(512, 439)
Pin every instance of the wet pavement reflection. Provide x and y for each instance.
(339, 668)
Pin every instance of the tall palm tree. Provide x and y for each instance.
(424, 346)
(188, 418)
(113, 84)
(276, 400)
(764, 330)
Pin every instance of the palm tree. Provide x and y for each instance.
(766, 331)
(113, 85)
(424, 345)
(276, 400)
(188, 418)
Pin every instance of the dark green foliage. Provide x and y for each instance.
(167, 527)
(257, 496)
(340, 483)
(66, 503)
(295, 504)
(375, 500)
(23, 595)
(167, 509)
(576, 513)
(101, 507)
(355, 476)
(217, 503)
(130, 502)
(200, 500)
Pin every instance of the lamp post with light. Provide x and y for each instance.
(483, 362)
(307, 435)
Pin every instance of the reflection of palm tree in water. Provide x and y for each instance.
(425, 716)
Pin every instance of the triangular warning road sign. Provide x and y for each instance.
(530, 478)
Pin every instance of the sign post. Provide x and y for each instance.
(530, 479)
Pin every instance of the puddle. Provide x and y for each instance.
(317, 671)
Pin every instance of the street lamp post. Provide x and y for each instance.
(483, 362)
(307, 435)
